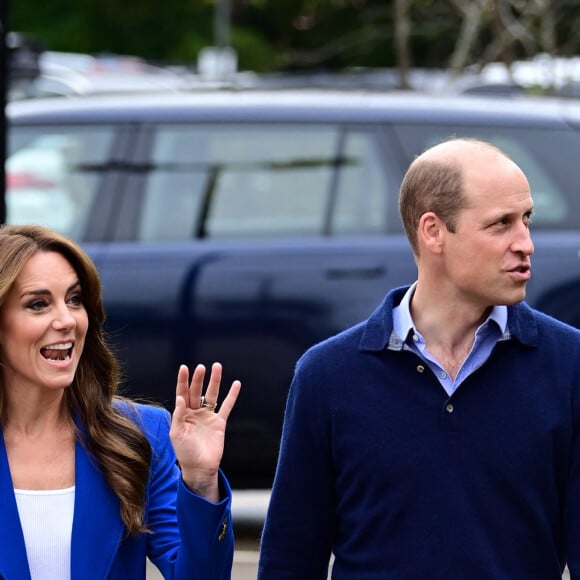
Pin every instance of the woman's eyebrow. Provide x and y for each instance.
(45, 292)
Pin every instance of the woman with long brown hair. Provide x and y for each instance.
(92, 484)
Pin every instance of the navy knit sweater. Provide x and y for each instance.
(400, 481)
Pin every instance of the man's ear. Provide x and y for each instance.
(430, 232)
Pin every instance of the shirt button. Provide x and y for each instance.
(449, 408)
(443, 374)
(420, 368)
(415, 338)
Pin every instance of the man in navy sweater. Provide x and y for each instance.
(439, 439)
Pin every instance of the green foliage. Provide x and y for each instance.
(145, 28)
(57, 25)
(269, 35)
(254, 52)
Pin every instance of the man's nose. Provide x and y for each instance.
(523, 243)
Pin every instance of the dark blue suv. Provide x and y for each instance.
(245, 226)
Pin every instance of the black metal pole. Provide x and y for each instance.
(4, 69)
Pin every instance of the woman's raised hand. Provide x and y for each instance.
(198, 427)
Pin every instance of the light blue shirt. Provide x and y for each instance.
(486, 336)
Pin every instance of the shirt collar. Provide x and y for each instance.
(403, 322)
(377, 331)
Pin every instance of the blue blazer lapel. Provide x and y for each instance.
(97, 526)
(13, 560)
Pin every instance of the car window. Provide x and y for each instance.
(52, 175)
(365, 184)
(262, 180)
(547, 156)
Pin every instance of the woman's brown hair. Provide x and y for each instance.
(118, 445)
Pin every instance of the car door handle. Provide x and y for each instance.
(355, 272)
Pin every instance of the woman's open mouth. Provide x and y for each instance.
(57, 352)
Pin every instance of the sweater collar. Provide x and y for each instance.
(378, 332)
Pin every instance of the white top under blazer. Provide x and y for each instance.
(46, 517)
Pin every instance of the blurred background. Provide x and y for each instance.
(419, 44)
(487, 47)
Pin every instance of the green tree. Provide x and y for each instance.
(293, 35)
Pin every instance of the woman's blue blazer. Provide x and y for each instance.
(189, 537)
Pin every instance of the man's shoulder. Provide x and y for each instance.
(335, 346)
(371, 334)
(533, 327)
